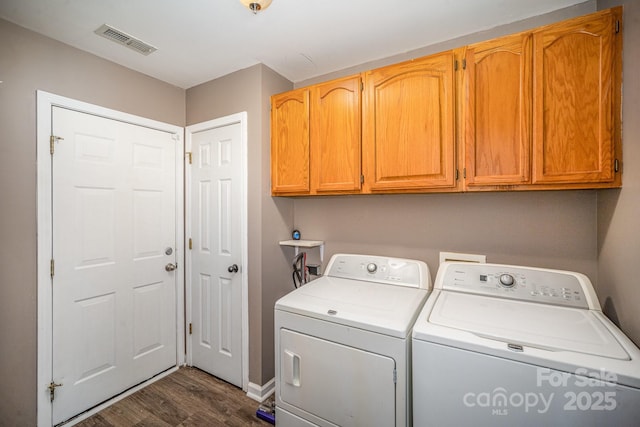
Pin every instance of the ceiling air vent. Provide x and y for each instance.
(125, 39)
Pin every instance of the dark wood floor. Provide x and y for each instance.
(188, 397)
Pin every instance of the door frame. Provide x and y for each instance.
(240, 118)
(45, 102)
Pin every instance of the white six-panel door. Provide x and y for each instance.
(216, 276)
(114, 233)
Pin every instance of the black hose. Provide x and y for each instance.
(298, 273)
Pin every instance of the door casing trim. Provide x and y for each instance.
(45, 102)
(240, 118)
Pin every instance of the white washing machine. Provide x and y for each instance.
(500, 345)
(343, 343)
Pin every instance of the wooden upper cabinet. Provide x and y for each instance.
(497, 110)
(335, 136)
(576, 95)
(408, 126)
(539, 110)
(290, 142)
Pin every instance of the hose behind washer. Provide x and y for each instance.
(298, 270)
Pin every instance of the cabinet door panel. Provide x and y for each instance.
(290, 142)
(335, 136)
(573, 92)
(498, 111)
(408, 133)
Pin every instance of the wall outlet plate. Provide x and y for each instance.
(455, 256)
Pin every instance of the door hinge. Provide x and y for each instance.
(52, 143)
(190, 328)
(361, 179)
(190, 156)
(617, 27)
(455, 65)
(52, 268)
(464, 173)
(395, 376)
(52, 389)
(190, 243)
(457, 174)
(616, 165)
(464, 64)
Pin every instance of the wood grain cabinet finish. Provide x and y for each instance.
(542, 108)
(576, 89)
(290, 142)
(537, 110)
(335, 136)
(497, 110)
(408, 126)
(315, 139)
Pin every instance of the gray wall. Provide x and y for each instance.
(29, 62)
(619, 210)
(250, 90)
(546, 229)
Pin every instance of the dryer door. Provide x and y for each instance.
(336, 383)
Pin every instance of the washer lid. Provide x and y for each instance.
(381, 308)
(549, 327)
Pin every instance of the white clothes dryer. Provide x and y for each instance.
(501, 345)
(342, 343)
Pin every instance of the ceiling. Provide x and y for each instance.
(200, 40)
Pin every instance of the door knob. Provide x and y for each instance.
(170, 267)
(233, 268)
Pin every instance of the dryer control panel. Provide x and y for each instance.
(515, 282)
(380, 269)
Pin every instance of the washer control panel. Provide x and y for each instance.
(379, 269)
(522, 283)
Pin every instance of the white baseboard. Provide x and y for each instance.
(261, 393)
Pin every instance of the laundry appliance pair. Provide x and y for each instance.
(369, 344)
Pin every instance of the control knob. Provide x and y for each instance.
(507, 280)
(371, 268)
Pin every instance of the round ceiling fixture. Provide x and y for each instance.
(256, 5)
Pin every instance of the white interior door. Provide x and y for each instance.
(114, 232)
(217, 251)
